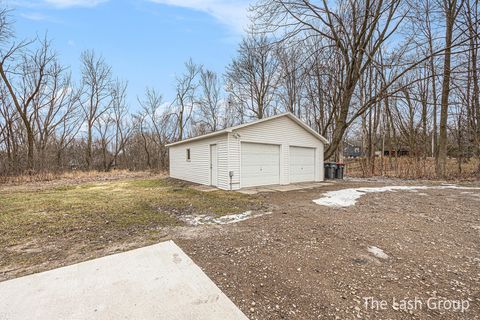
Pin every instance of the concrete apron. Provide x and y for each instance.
(156, 282)
(284, 188)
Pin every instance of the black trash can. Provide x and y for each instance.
(330, 168)
(340, 168)
(327, 170)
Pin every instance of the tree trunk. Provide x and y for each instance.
(441, 166)
(341, 123)
(89, 148)
(434, 96)
(476, 93)
(31, 149)
(180, 125)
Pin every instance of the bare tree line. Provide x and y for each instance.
(390, 74)
(386, 75)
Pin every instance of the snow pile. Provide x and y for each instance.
(196, 220)
(349, 197)
(377, 252)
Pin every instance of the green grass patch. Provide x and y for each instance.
(107, 210)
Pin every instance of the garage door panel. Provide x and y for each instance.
(302, 164)
(260, 164)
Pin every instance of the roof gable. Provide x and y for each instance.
(231, 129)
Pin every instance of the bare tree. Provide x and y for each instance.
(103, 127)
(252, 77)
(6, 32)
(96, 97)
(120, 117)
(141, 125)
(186, 99)
(67, 130)
(24, 71)
(211, 111)
(56, 105)
(157, 127)
(292, 77)
(451, 9)
(424, 20)
(9, 130)
(357, 29)
(471, 17)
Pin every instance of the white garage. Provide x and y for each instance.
(277, 150)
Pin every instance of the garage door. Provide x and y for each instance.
(260, 164)
(302, 164)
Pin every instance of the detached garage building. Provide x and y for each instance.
(276, 150)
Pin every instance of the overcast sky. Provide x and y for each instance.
(145, 41)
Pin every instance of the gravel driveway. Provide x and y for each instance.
(393, 255)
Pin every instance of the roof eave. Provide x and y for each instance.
(206, 136)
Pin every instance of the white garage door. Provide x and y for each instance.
(302, 164)
(260, 164)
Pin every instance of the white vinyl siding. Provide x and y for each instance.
(260, 164)
(197, 169)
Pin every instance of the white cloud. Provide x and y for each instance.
(231, 13)
(60, 4)
(35, 16)
(74, 3)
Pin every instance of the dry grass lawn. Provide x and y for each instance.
(41, 225)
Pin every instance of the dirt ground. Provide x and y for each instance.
(307, 261)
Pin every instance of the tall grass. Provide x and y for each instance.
(411, 168)
(71, 175)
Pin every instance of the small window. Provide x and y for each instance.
(188, 154)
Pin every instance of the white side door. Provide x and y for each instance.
(260, 164)
(302, 164)
(213, 165)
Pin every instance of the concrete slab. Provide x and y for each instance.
(204, 188)
(156, 282)
(284, 188)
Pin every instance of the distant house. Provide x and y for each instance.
(400, 152)
(352, 150)
(277, 150)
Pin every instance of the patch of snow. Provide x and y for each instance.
(453, 186)
(377, 252)
(196, 220)
(349, 197)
